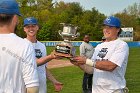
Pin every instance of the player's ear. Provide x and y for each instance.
(37, 27)
(15, 20)
(24, 29)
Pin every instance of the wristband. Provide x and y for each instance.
(90, 62)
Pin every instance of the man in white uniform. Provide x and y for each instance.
(86, 50)
(31, 27)
(109, 60)
(18, 73)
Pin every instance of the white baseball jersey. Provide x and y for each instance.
(17, 64)
(40, 51)
(116, 51)
(86, 49)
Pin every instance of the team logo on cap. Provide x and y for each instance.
(30, 20)
(108, 20)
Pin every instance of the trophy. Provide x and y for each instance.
(65, 48)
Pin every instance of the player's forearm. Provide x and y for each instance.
(105, 65)
(32, 90)
(102, 65)
(86, 68)
(44, 60)
(50, 76)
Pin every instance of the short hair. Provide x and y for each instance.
(5, 19)
(119, 32)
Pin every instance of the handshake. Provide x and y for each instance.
(81, 60)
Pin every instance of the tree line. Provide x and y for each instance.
(50, 14)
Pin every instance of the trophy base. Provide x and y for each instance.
(67, 51)
(63, 55)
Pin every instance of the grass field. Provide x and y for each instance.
(71, 76)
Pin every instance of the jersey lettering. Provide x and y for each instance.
(38, 53)
(102, 53)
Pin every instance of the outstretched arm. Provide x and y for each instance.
(44, 59)
(86, 68)
(57, 85)
(102, 65)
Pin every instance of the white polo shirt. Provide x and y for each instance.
(17, 64)
(116, 51)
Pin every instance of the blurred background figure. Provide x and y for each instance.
(86, 50)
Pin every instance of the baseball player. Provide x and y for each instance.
(18, 70)
(109, 60)
(31, 28)
(86, 50)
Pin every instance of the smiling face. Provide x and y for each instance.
(31, 30)
(110, 33)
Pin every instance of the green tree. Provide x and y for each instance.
(91, 23)
(130, 17)
(50, 15)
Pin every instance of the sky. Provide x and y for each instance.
(107, 7)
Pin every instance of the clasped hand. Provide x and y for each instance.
(78, 60)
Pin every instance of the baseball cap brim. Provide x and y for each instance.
(9, 7)
(30, 24)
(12, 12)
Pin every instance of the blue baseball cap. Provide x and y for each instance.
(30, 20)
(112, 21)
(9, 7)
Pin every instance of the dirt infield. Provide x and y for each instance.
(58, 63)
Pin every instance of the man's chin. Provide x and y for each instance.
(31, 35)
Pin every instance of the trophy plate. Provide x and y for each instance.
(64, 50)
